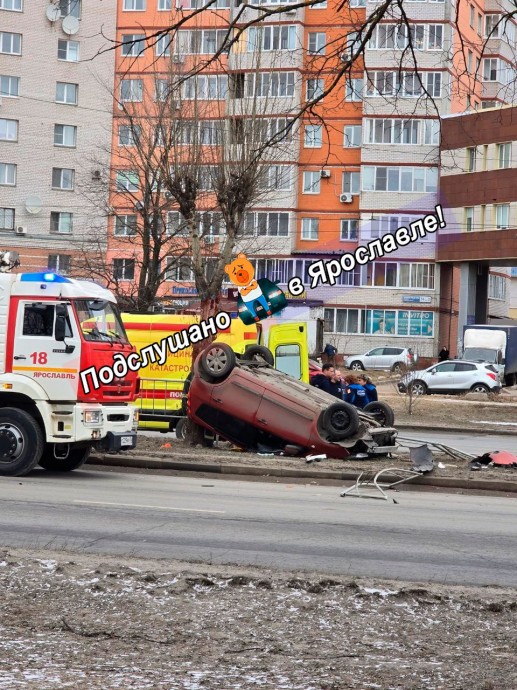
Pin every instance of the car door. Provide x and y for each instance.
(389, 356)
(372, 358)
(466, 375)
(441, 377)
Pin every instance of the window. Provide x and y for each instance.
(352, 138)
(351, 182)
(503, 153)
(269, 224)
(68, 50)
(9, 86)
(125, 225)
(38, 319)
(176, 224)
(6, 218)
(131, 90)
(317, 41)
(472, 16)
(134, 5)
(66, 93)
(469, 61)
(349, 228)
(435, 37)
(163, 46)
(490, 69)
(315, 88)
(59, 263)
(311, 182)
(270, 84)
(164, 5)
(496, 287)
(354, 90)
(179, 270)
(70, 7)
(128, 135)
(384, 224)
(162, 89)
(492, 25)
(469, 218)
(10, 44)
(61, 222)
(209, 87)
(395, 179)
(65, 135)
(267, 38)
(15, 5)
(405, 84)
(133, 44)
(388, 131)
(483, 217)
(502, 216)
(63, 178)
(310, 228)
(277, 177)
(124, 269)
(380, 322)
(8, 130)
(432, 132)
(343, 321)
(127, 181)
(313, 136)
(480, 24)
(471, 159)
(7, 174)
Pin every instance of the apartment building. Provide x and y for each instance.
(55, 126)
(477, 250)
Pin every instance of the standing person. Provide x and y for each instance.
(326, 381)
(443, 354)
(341, 381)
(330, 352)
(369, 387)
(355, 394)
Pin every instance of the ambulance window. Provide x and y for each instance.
(38, 319)
(288, 360)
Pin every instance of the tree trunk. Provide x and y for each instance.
(209, 307)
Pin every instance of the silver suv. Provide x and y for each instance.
(452, 376)
(393, 358)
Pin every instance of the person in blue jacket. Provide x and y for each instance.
(370, 388)
(355, 394)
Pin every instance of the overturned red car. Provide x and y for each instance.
(248, 402)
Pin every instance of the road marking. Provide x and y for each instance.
(137, 505)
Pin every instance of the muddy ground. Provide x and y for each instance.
(98, 623)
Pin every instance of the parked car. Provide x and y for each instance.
(253, 405)
(452, 376)
(392, 358)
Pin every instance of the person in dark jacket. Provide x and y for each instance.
(327, 381)
(330, 351)
(369, 387)
(355, 394)
(443, 354)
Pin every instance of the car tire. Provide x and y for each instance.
(397, 368)
(417, 388)
(480, 388)
(21, 442)
(257, 353)
(75, 459)
(382, 412)
(181, 428)
(341, 421)
(356, 366)
(216, 362)
(184, 394)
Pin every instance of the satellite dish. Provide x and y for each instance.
(70, 25)
(33, 204)
(53, 13)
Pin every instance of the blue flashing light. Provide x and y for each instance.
(43, 278)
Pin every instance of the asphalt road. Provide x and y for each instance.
(426, 537)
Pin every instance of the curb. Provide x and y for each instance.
(147, 462)
(459, 430)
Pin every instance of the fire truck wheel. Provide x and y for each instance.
(21, 442)
(75, 459)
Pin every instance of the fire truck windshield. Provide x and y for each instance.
(100, 321)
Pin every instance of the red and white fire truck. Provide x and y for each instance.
(52, 328)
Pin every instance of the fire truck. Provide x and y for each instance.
(52, 328)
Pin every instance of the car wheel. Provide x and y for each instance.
(341, 421)
(480, 388)
(21, 442)
(181, 428)
(75, 459)
(417, 388)
(397, 368)
(382, 413)
(217, 361)
(356, 366)
(257, 353)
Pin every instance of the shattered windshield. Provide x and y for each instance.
(100, 321)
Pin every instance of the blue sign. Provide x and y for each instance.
(416, 299)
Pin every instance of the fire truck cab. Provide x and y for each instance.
(52, 328)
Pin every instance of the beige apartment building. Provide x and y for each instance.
(55, 126)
